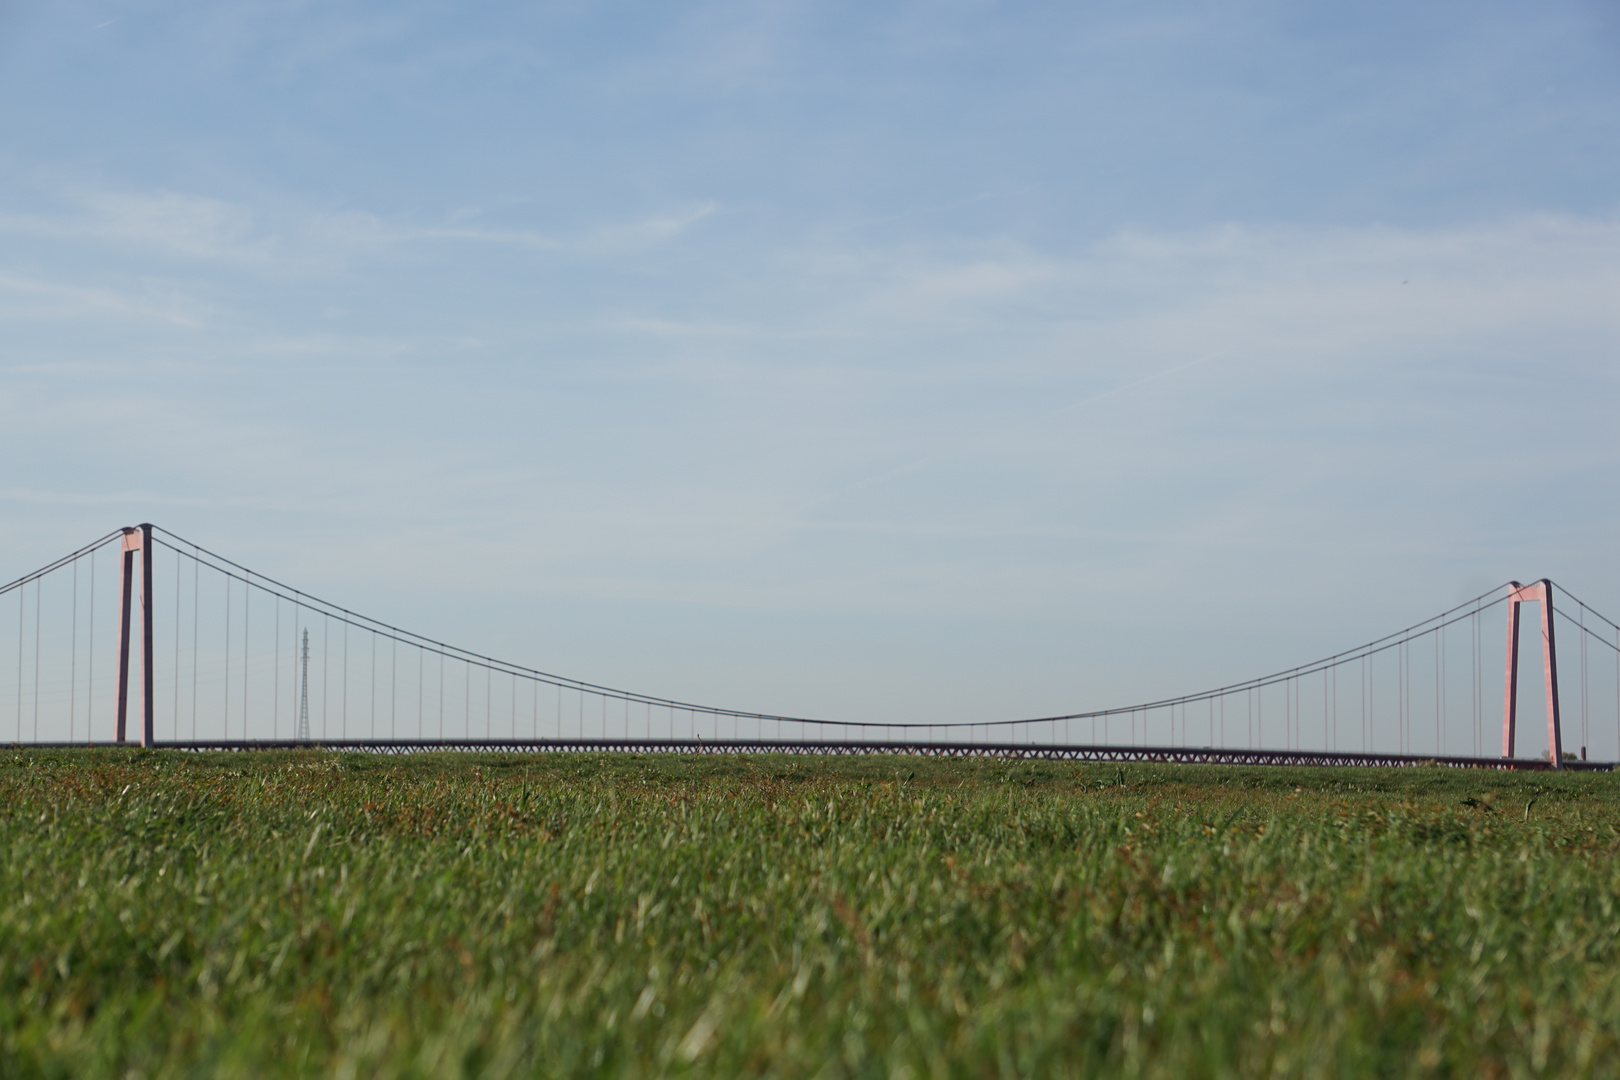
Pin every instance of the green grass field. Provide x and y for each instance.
(314, 914)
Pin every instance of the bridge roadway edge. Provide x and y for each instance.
(1168, 755)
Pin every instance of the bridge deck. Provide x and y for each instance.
(1179, 755)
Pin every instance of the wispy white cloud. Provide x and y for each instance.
(33, 299)
(1158, 299)
(630, 236)
(644, 233)
(673, 328)
(188, 226)
(196, 228)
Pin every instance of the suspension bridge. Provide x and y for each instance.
(143, 637)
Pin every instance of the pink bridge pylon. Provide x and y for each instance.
(1541, 591)
(138, 538)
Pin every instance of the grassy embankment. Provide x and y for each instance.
(304, 913)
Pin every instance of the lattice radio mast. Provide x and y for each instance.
(303, 700)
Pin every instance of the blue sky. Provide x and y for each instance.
(958, 359)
